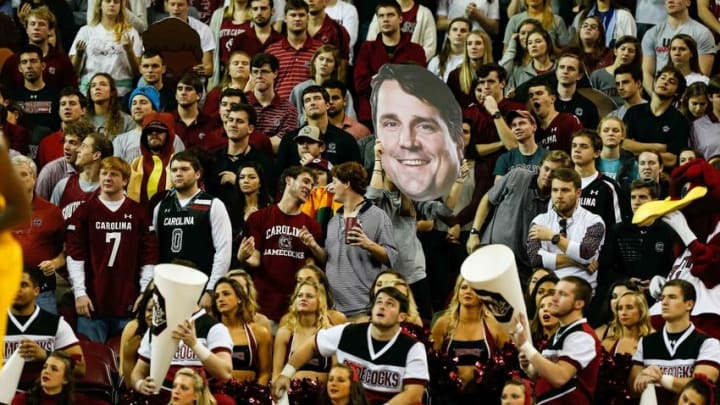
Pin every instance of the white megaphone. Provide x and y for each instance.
(492, 273)
(177, 290)
(648, 397)
(10, 377)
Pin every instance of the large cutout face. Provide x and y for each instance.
(420, 126)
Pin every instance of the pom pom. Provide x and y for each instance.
(490, 377)
(444, 379)
(247, 392)
(305, 391)
(419, 333)
(614, 372)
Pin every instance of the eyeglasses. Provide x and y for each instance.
(590, 27)
(258, 72)
(563, 227)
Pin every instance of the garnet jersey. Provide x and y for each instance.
(282, 253)
(73, 195)
(112, 245)
(558, 134)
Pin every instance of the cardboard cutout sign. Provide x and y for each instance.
(419, 123)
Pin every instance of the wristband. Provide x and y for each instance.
(528, 349)
(202, 352)
(138, 384)
(288, 371)
(666, 381)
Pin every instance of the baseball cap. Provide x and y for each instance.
(520, 113)
(310, 132)
(321, 164)
(159, 122)
(148, 91)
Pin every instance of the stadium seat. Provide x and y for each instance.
(101, 373)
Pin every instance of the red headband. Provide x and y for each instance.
(704, 379)
(529, 389)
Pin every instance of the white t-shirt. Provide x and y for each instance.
(453, 62)
(207, 41)
(456, 8)
(346, 15)
(104, 54)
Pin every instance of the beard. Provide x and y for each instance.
(156, 148)
(261, 23)
(333, 112)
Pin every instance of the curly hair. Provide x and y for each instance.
(321, 318)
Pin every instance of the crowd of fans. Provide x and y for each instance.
(243, 139)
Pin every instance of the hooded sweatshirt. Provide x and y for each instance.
(149, 172)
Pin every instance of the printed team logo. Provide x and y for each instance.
(497, 304)
(285, 242)
(666, 128)
(579, 112)
(159, 319)
(331, 147)
(51, 70)
(659, 247)
(37, 222)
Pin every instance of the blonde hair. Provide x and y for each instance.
(548, 18)
(230, 10)
(644, 325)
(453, 310)
(467, 70)
(607, 118)
(321, 319)
(121, 22)
(199, 385)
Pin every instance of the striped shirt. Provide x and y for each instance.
(294, 64)
(352, 269)
(51, 174)
(278, 118)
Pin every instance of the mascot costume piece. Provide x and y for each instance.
(693, 211)
(10, 276)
